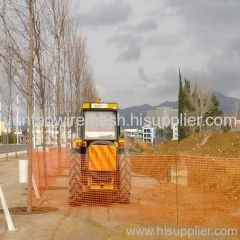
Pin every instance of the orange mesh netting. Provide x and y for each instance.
(170, 190)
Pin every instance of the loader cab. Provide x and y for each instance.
(100, 122)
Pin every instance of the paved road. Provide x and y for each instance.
(12, 148)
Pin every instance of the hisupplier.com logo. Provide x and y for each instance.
(158, 231)
(134, 121)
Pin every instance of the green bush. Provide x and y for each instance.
(8, 139)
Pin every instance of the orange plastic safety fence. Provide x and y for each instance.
(169, 190)
(48, 166)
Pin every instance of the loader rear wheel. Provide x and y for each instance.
(125, 178)
(75, 176)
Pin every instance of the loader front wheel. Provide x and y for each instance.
(75, 187)
(125, 178)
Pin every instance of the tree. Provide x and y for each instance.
(201, 103)
(182, 105)
(42, 69)
(7, 91)
(30, 4)
(214, 111)
(20, 41)
(164, 135)
(186, 94)
(39, 42)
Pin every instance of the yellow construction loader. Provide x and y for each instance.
(99, 163)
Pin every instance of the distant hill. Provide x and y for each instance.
(225, 104)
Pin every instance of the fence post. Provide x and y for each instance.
(177, 200)
(8, 217)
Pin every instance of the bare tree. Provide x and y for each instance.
(42, 69)
(8, 91)
(83, 88)
(31, 14)
(20, 42)
(39, 42)
(200, 103)
(57, 19)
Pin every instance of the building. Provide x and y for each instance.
(148, 134)
(162, 116)
(144, 134)
(51, 134)
(175, 131)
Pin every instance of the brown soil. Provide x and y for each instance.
(217, 145)
(154, 203)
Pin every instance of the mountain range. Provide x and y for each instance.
(226, 104)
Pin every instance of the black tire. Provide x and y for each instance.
(125, 178)
(75, 176)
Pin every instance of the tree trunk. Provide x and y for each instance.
(44, 148)
(30, 101)
(58, 114)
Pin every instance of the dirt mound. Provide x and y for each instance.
(169, 148)
(187, 146)
(141, 147)
(207, 145)
(222, 145)
(217, 145)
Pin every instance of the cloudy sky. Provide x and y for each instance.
(136, 47)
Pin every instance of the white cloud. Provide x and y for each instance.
(110, 13)
(151, 39)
